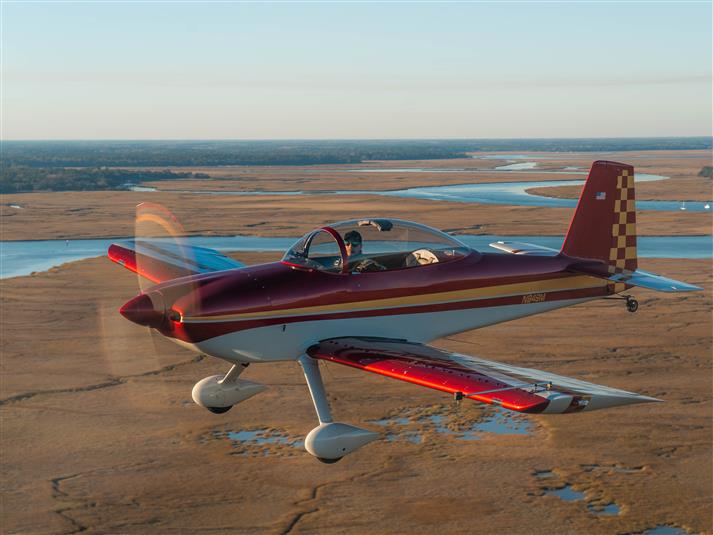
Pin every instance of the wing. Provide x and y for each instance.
(521, 248)
(160, 261)
(512, 387)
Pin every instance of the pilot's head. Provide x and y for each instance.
(352, 241)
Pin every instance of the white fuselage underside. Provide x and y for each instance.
(289, 341)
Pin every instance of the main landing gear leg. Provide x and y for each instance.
(230, 377)
(310, 367)
(329, 441)
(234, 373)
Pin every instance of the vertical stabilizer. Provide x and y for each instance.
(604, 224)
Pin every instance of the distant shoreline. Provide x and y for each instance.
(307, 152)
(92, 214)
(34, 166)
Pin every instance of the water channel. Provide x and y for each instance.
(502, 193)
(18, 258)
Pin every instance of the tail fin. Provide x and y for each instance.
(603, 229)
(604, 224)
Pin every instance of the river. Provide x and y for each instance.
(18, 258)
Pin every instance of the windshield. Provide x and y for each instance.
(369, 245)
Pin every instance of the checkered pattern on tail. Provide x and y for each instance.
(622, 254)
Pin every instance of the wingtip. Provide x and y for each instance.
(114, 252)
(686, 288)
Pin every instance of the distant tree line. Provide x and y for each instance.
(20, 179)
(707, 171)
(83, 165)
(211, 153)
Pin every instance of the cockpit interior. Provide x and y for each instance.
(373, 245)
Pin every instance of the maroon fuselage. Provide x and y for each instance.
(275, 293)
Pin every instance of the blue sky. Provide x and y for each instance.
(110, 70)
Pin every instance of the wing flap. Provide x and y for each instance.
(514, 388)
(159, 261)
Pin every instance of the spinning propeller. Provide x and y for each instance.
(157, 234)
(159, 253)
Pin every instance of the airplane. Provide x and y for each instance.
(372, 293)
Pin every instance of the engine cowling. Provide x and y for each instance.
(213, 393)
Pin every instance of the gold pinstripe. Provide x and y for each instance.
(575, 282)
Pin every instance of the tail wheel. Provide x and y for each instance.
(632, 305)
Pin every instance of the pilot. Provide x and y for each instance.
(352, 242)
(353, 245)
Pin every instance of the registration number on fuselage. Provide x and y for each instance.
(533, 298)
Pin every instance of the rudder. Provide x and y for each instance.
(603, 227)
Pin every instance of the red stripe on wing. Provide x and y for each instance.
(149, 268)
(425, 366)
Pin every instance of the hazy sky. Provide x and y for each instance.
(148, 70)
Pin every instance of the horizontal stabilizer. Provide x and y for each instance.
(521, 248)
(160, 261)
(640, 278)
(511, 387)
(652, 281)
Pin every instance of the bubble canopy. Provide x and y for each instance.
(372, 245)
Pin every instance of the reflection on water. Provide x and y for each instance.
(18, 258)
(519, 157)
(509, 193)
(566, 493)
(664, 530)
(516, 193)
(517, 166)
(504, 423)
(413, 170)
(499, 422)
(609, 509)
(259, 442)
(597, 505)
(523, 166)
(143, 189)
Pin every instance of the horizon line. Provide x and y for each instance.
(706, 136)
